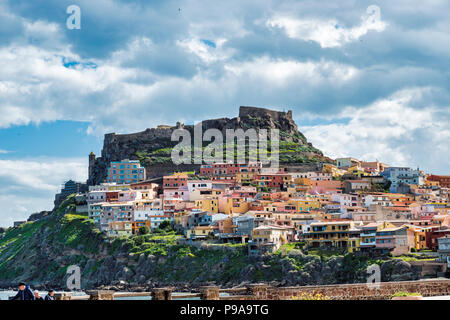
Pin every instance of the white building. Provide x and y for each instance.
(376, 199)
(347, 162)
(312, 175)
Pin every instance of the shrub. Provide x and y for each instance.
(405, 294)
(166, 225)
(144, 230)
(310, 296)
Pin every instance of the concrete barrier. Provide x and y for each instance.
(162, 294)
(100, 294)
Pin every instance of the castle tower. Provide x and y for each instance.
(92, 159)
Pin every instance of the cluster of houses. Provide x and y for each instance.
(354, 205)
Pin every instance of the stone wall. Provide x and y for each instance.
(262, 113)
(363, 291)
(264, 292)
(159, 170)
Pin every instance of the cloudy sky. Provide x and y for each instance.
(361, 81)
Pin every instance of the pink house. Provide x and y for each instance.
(327, 184)
(177, 193)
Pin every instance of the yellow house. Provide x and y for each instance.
(245, 177)
(178, 215)
(356, 171)
(302, 182)
(331, 168)
(428, 183)
(236, 205)
(268, 238)
(304, 205)
(329, 234)
(200, 232)
(420, 240)
(208, 204)
(354, 240)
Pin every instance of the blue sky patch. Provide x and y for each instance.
(72, 64)
(49, 139)
(209, 43)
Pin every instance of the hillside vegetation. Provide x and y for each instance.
(290, 152)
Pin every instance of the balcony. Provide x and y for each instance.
(386, 245)
(367, 244)
(366, 235)
(385, 237)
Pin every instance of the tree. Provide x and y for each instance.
(144, 230)
(166, 225)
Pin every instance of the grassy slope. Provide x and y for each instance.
(289, 153)
(40, 252)
(44, 249)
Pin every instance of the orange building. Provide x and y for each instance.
(175, 181)
(444, 181)
(136, 225)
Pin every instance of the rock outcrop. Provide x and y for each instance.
(38, 215)
(118, 147)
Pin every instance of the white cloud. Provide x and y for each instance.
(35, 86)
(207, 53)
(16, 207)
(328, 33)
(27, 186)
(278, 71)
(389, 130)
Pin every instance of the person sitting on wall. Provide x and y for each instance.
(50, 295)
(37, 296)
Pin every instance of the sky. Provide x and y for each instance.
(368, 79)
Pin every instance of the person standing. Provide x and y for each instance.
(24, 293)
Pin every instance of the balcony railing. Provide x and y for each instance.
(367, 244)
(362, 235)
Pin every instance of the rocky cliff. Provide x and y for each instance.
(153, 146)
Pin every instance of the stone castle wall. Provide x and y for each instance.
(261, 113)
